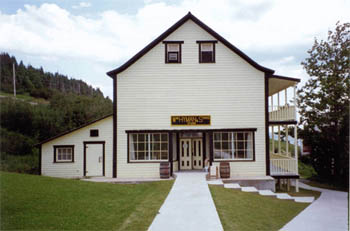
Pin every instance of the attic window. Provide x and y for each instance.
(94, 132)
(206, 51)
(173, 51)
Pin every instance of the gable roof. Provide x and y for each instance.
(74, 129)
(189, 16)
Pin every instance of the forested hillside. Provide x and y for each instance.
(46, 105)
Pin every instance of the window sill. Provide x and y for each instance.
(64, 162)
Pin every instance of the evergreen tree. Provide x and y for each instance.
(324, 105)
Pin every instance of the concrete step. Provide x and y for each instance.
(233, 186)
(249, 189)
(284, 196)
(215, 182)
(304, 199)
(266, 193)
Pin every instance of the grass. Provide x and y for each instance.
(20, 164)
(324, 185)
(306, 171)
(31, 202)
(248, 211)
(25, 98)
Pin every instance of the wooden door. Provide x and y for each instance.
(185, 154)
(197, 150)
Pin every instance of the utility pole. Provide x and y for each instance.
(14, 80)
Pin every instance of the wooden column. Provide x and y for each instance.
(287, 142)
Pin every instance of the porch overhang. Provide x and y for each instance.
(278, 83)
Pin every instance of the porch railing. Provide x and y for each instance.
(282, 113)
(283, 167)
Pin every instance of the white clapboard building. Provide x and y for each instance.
(190, 97)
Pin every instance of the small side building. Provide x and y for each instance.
(83, 151)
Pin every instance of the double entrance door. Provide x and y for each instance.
(191, 154)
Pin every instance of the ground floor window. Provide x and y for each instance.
(148, 146)
(233, 145)
(64, 153)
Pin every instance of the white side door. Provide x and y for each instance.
(185, 154)
(197, 148)
(94, 159)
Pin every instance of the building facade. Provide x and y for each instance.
(191, 98)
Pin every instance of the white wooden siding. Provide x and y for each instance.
(150, 91)
(76, 138)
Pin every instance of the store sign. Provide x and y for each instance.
(191, 120)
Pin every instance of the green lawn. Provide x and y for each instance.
(43, 203)
(249, 211)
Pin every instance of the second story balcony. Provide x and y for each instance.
(282, 98)
(282, 113)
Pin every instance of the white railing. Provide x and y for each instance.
(282, 113)
(283, 167)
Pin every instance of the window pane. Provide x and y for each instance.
(156, 137)
(224, 136)
(141, 137)
(133, 138)
(172, 56)
(240, 136)
(250, 154)
(141, 146)
(173, 47)
(132, 155)
(240, 154)
(156, 155)
(217, 145)
(217, 136)
(164, 146)
(225, 145)
(206, 47)
(141, 155)
(217, 154)
(207, 56)
(164, 137)
(164, 155)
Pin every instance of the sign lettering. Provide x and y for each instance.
(192, 120)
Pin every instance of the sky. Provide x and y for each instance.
(86, 39)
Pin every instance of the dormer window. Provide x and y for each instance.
(206, 51)
(172, 51)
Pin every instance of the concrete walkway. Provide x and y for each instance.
(328, 212)
(189, 206)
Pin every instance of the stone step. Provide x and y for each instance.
(266, 193)
(215, 182)
(233, 186)
(249, 189)
(304, 199)
(284, 196)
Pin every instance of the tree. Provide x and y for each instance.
(324, 105)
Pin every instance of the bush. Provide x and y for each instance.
(21, 164)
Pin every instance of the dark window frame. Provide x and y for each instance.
(93, 134)
(130, 161)
(55, 153)
(232, 160)
(200, 42)
(179, 54)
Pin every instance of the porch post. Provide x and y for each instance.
(279, 127)
(170, 137)
(287, 143)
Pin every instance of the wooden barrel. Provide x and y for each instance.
(224, 170)
(164, 170)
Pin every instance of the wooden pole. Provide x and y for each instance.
(14, 80)
(279, 127)
(287, 143)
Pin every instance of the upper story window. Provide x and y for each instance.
(94, 132)
(172, 51)
(206, 51)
